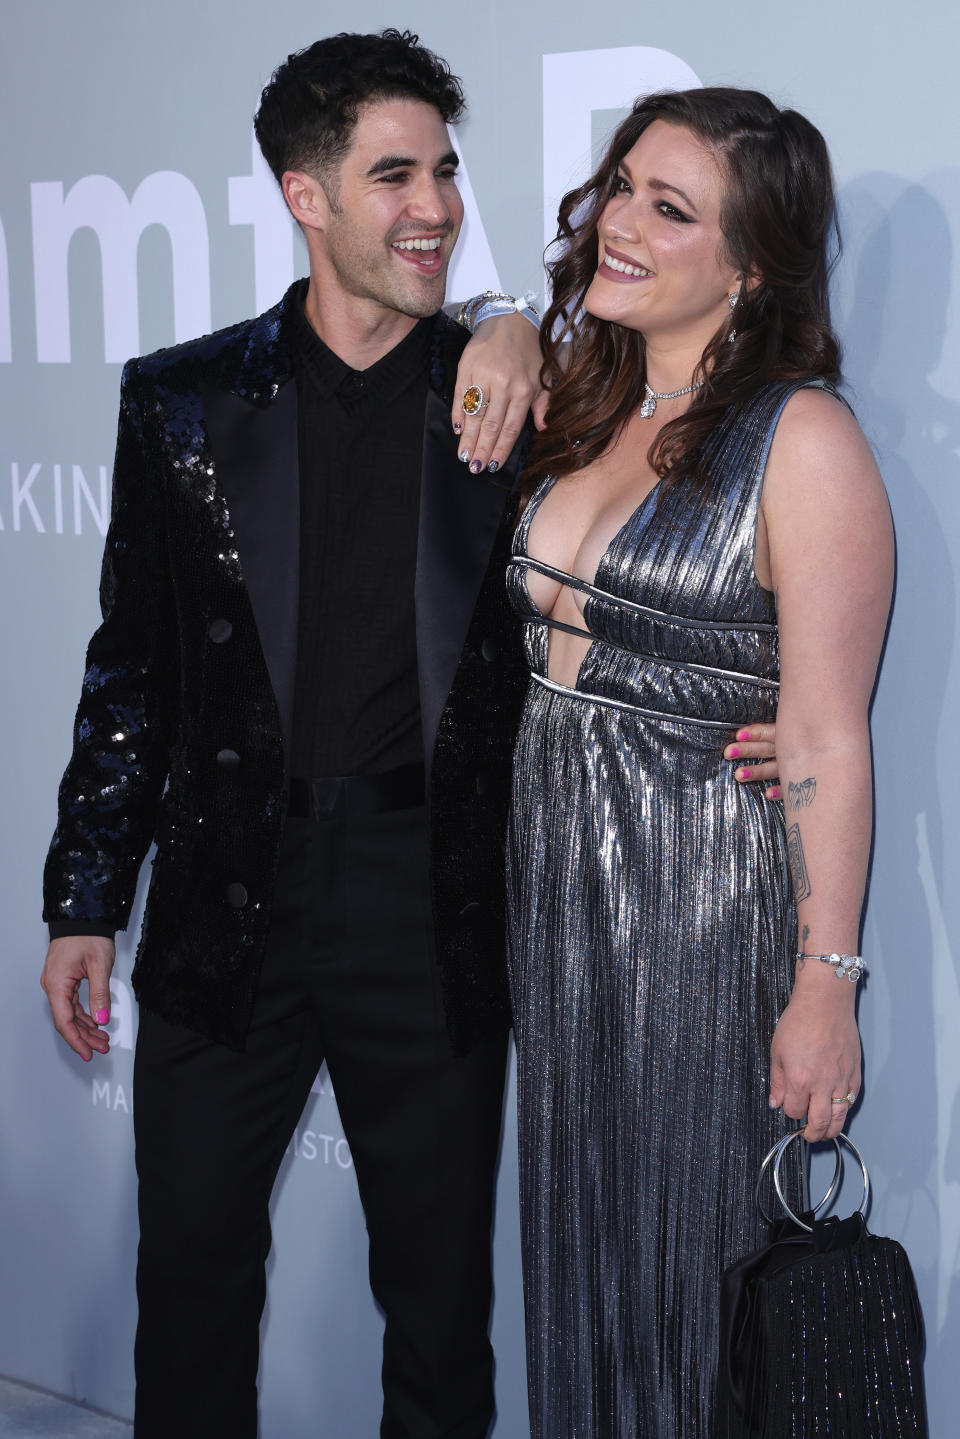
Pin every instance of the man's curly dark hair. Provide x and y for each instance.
(309, 108)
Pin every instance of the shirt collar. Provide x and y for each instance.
(386, 379)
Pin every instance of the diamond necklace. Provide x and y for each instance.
(650, 403)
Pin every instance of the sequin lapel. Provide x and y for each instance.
(252, 423)
(460, 515)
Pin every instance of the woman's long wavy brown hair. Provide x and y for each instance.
(778, 220)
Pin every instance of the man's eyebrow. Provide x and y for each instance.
(407, 162)
(661, 185)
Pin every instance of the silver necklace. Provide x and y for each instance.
(650, 403)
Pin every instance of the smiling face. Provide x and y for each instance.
(393, 210)
(661, 266)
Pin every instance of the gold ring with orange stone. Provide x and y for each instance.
(473, 400)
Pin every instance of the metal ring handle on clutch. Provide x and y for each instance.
(776, 1157)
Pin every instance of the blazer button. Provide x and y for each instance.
(228, 759)
(482, 782)
(490, 649)
(237, 895)
(219, 631)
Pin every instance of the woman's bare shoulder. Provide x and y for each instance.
(819, 445)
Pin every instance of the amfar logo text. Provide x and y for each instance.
(575, 85)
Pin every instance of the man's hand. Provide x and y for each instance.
(756, 742)
(69, 961)
(504, 359)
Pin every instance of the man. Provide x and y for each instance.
(305, 689)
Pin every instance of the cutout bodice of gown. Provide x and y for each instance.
(715, 661)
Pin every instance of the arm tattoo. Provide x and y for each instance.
(798, 865)
(804, 936)
(802, 795)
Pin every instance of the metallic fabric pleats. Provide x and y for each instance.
(651, 933)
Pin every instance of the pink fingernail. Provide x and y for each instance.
(743, 734)
(102, 1015)
(734, 751)
(773, 792)
(745, 773)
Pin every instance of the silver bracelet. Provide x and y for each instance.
(493, 303)
(848, 966)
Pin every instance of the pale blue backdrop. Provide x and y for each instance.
(132, 213)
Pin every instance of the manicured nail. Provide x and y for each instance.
(102, 1015)
(743, 734)
(773, 1103)
(475, 467)
(463, 456)
(457, 427)
(773, 792)
(493, 467)
(744, 773)
(734, 751)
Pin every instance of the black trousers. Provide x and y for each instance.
(348, 978)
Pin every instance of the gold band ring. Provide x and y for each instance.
(845, 1098)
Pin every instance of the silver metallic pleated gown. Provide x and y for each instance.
(651, 932)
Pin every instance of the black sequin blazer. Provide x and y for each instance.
(186, 706)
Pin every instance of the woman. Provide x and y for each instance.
(706, 520)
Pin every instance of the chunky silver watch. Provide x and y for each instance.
(493, 303)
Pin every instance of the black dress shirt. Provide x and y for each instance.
(356, 703)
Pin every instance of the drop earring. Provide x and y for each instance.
(733, 299)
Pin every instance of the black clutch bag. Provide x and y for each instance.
(821, 1332)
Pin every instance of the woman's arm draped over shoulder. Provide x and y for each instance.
(826, 548)
(504, 359)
